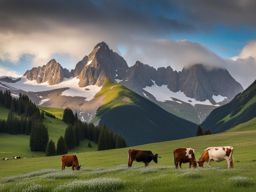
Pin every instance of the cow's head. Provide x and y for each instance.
(155, 158)
(200, 163)
(194, 163)
(78, 167)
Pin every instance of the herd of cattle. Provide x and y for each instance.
(181, 155)
(14, 157)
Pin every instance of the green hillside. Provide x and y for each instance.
(240, 110)
(137, 119)
(247, 126)
(57, 112)
(3, 113)
(11, 145)
(110, 173)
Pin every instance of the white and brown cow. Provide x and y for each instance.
(217, 154)
(184, 155)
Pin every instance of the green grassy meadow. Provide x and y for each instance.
(3, 113)
(57, 112)
(107, 170)
(13, 145)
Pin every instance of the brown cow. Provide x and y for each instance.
(70, 160)
(184, 155)
(141, 156)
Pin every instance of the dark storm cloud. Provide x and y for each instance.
(237, 13)
(148, 16)
(33, 15)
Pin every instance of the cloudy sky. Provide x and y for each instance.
(178, 33)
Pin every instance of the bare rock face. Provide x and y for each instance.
(52, 73)
(201, 83)
(103, 64)
(79, 66)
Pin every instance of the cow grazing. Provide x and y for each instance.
(16, 157)
(141, 156)
(70, 161)
(184, 155)
(217, 154)
(5, 158)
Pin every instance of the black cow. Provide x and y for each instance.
(141, 156)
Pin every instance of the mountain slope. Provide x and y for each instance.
(191, 93)
(138, 119)
(241, 109)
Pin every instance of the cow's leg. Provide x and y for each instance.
(130, 163)
(208, 163)
(180, 164)
(146, 164)
(176, 164)
(228, 162)
(190, 163)
(231, 163)
(62, 166)
(73, 167)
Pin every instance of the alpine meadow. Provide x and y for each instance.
(129, 96)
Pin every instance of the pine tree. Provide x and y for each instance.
(68, 116)
(38, 137)
(119, 142)
(199, 131)
(70, 138)
(89, 144)
(61, 146)
(208, 132)
(50, 149)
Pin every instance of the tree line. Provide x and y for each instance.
(25, 118)
(78, 131)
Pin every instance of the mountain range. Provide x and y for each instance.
(191, 93)
(134, 100)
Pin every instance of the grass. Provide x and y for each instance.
(13, 145)
(247, 126)
(114, 95)
(56, 128)
(109, 168)
(57, 112)
(3, 113)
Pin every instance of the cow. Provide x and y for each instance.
(184, 155)
(16, 157)
(141, 156)
(5, 158)
(217, 154)
(70, 161)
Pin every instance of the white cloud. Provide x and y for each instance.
(248, 51)
(9, 73)
(42, 46)
(77, 42)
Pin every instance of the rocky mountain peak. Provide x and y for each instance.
(102, 45)
(52, 73)
(103, 64)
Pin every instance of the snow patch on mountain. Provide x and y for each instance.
(163, 93)
(89, 62)
(218, 98)
(118, 80)
(43, 101)
(71, 84)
